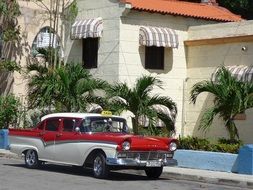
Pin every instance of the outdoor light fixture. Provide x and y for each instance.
(244, 48)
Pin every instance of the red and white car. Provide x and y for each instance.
(101, 142)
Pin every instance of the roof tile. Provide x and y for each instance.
(187, 9)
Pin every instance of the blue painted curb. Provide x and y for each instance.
(245, 160)
(216, 161)
(4, 139)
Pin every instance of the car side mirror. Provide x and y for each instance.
(77, 129)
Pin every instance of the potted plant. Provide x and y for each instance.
(8, 116)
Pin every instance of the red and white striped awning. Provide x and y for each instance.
(240, 72)
(89, 28)
(158, 36)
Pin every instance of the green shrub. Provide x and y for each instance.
(229, 141)
(8, 111)
(193, 143)
(223, 145)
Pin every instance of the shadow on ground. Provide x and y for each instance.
(121, 175)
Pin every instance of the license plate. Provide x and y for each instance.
(153, 163)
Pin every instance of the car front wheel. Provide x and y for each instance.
(31, 159)
(154, 172)
(100, 169)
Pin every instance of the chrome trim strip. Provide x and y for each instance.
(84, 141)
(137, 163)
(57, 142)
(141, 158)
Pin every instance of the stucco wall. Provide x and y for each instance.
(132, 55)
(32, 19)
(108, 53)
(202, 61)
(221, 30)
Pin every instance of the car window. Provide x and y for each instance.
(52, 125)
(69, 124)
(100, 126)
(104, 124)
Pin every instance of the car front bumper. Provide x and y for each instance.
(140, 163)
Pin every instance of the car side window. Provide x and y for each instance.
(69, 124)
(52, 125)
(85, 126)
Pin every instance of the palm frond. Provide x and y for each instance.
(208, 118)
(168, 121)
(63, 87)
(200, 87)
(164, 101)
(119, 89)
(145, 85)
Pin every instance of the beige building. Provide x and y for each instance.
(208, 47)
(179, 42)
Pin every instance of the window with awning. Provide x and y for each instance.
(240, 72)
(155, 39)
(158, 36)
(87, 28)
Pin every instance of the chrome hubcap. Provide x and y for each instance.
(98, 166)
(30, 157)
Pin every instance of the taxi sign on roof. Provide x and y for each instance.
(106, 113)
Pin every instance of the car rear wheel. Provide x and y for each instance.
(31, 159)
(100, 169)
(154, 172)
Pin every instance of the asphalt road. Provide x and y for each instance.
(14, 176)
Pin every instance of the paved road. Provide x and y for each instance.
(14, 176)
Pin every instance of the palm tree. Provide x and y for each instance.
(231, 97)
(66, 88)
(141, 103)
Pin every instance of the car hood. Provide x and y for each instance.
(138, 142)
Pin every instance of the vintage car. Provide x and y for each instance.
(98, 141)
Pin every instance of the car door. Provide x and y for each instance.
(67, 146)
(48, 136)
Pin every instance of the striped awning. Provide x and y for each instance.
(158, 36)
(89, 28)
(240, 72)
(144, 121)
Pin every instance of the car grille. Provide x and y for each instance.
(143, 156)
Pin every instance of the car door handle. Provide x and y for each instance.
(41, 133)
(59, 135)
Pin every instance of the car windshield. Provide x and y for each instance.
(104, 124)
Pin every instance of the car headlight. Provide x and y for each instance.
(173, 146)
(126, 145)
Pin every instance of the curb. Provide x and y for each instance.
(228, 182)
(212, 178)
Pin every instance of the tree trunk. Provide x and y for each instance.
(135, 125)
(232, 130)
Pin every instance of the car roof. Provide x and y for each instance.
(76, 115)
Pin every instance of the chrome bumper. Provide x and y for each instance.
(139, 163)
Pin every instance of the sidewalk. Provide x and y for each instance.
(215, 177)
(7, 154)
(206, 176)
